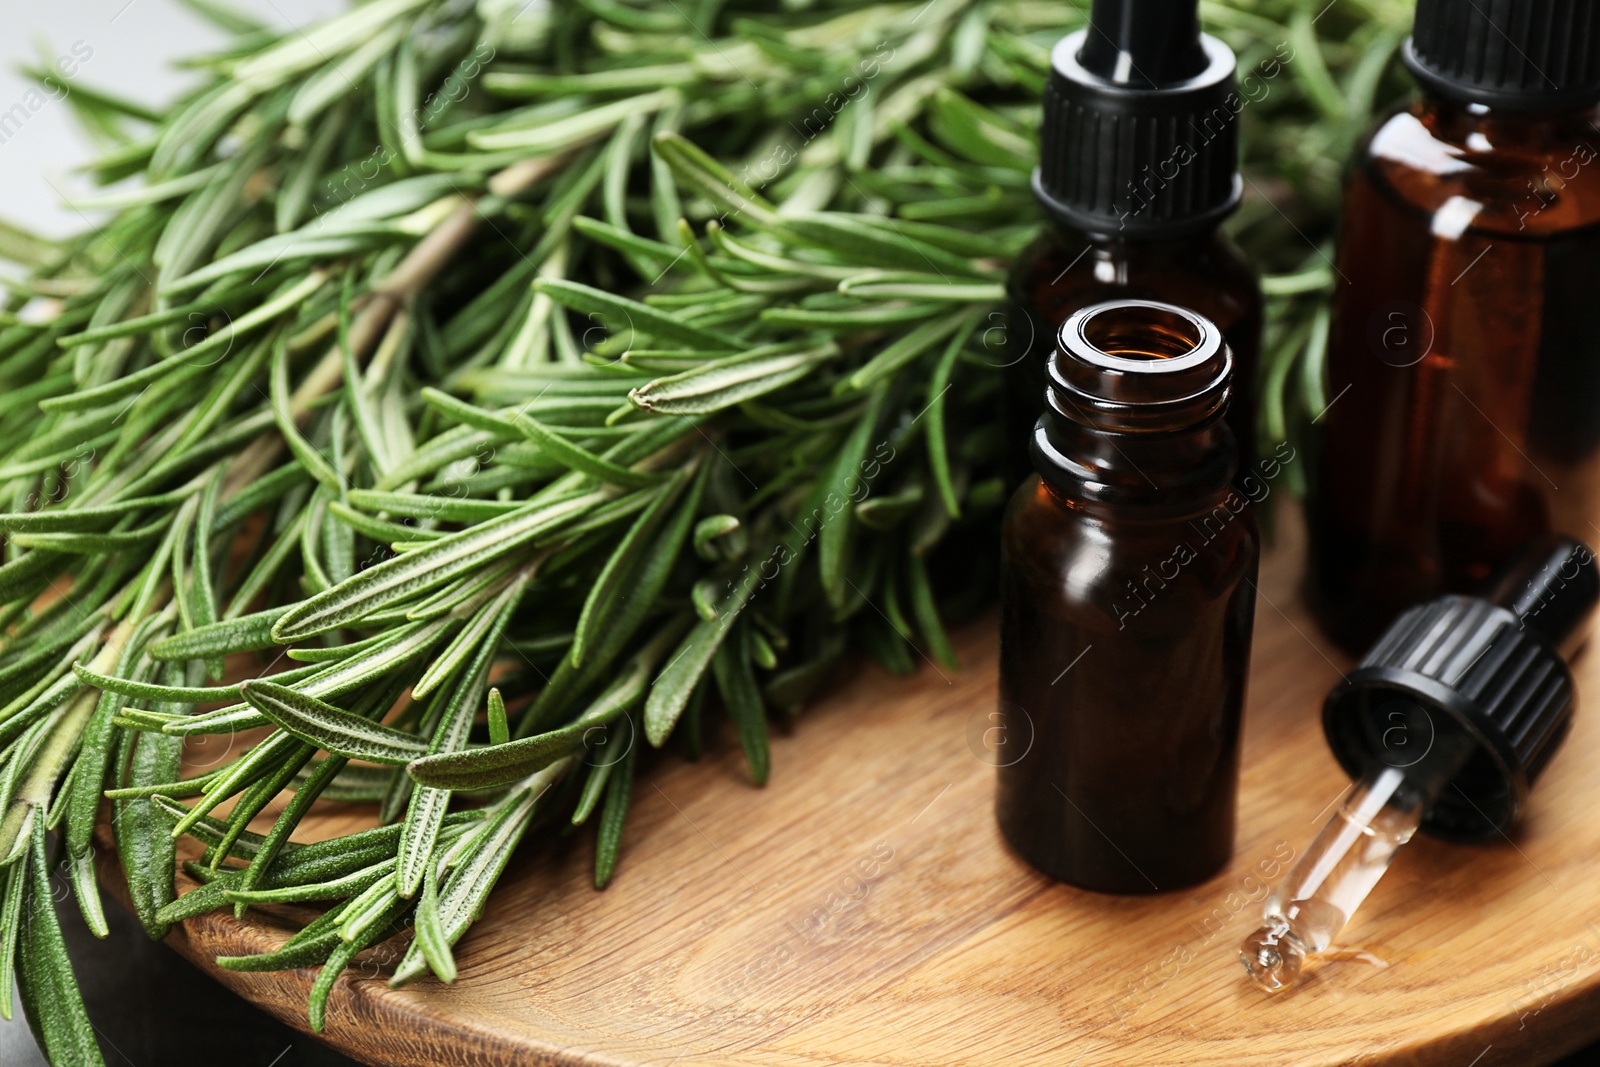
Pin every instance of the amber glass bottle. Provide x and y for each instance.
(1127, 600)
(1464, 354)
(1138, 169)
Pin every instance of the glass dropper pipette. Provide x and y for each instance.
(1447, 721)
(1378, 814)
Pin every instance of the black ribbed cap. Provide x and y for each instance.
(1487, 677)
(1518, 54)
(1141, 123)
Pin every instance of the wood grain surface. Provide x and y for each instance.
(862, 909)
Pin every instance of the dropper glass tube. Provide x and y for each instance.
(1309, 908)
(1375, 817)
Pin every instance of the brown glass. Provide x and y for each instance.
(1463, 359)
(1127, 600)
(1065, 270)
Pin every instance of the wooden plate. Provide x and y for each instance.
(862, 909)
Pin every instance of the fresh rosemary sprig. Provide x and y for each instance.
(637, 359)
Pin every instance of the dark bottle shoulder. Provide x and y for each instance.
(1044, 525)
(1101, 572)
(1063, 270)
(1521, 176)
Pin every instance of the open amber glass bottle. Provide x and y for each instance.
(1127, 593)
(1464, 354)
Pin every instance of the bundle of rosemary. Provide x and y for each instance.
(629, 360)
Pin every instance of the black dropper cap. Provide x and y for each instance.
(1141, 118)
(1481, 678)
(1516, 54)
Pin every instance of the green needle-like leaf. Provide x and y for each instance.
(736, 680)
(726, 383)
(431, 936)
(499, 732)
(49, 992)
(334, 729)
(428, 568)
(616, 313)
(608, 844)
(220, 638)
(553, 444)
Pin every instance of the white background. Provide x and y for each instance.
(133, 43)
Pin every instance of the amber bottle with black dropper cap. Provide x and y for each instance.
(1464, 354)
(1138, 168)
(1127, 602)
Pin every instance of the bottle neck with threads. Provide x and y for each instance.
(1133, 420)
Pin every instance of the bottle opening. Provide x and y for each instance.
(1140, 364)
(1141, 339)
(1142, 331)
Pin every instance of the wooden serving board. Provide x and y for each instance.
(862, 909)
